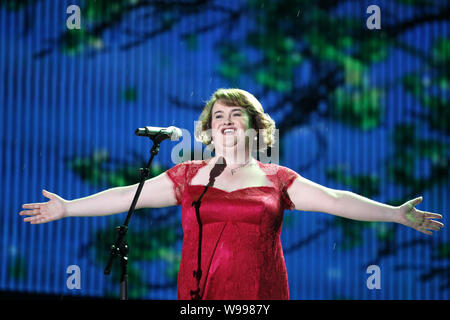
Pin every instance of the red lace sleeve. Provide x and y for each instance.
(286, 177)
(178, 176)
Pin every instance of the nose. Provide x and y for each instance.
(228, 120)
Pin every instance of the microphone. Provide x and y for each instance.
(172, 133)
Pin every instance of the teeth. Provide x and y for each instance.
(228, 130)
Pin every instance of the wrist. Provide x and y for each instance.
(67, 209)
(395, 214)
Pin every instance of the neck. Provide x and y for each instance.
(233, 157)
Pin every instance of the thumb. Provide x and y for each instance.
(47, 194)
(417, 200)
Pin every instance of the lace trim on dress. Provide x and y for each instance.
(280, 176)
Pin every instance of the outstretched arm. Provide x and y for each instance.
(310, 196)
(157, 192)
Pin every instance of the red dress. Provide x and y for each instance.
(242, 258)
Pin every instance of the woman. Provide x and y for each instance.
(241, 213)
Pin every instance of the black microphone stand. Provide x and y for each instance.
(120, 247)
(197, 274)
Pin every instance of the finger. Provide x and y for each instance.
(436, 223)
(29, 212)
(31, 219)
(432, 215)
(425, 231)
(39, 221)
(433, 227)
(34, 219)
(32, 205)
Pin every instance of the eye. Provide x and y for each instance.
(218, 116)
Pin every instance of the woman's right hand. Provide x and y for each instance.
(44, 212)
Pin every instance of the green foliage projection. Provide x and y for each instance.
(281, 38)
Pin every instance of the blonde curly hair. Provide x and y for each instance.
(259, 121)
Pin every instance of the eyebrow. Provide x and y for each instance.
(235, 109)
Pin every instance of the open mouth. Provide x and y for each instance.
(228, 131)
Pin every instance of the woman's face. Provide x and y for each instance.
(229, 124)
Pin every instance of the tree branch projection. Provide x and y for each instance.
(341, 53)
(281, 41)
(124, 17)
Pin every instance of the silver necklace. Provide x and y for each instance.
(233, 171)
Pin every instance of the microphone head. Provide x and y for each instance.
(218, 168)
(140, 132)
(221, 161)
(176, 133)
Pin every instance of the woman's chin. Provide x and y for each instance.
(231, 141)
(227, 141)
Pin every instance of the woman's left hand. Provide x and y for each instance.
(417, 219)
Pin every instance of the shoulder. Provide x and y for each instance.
(192, 163)
(276, 169)
(185, 166)
(184, 171)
